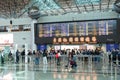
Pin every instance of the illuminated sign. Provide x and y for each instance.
(70, 39)
(74, 40)
(59, 39)
(64, 40)
(82, 39)
(54, 40)
(6, 38)
(94, 39)
(87, 39)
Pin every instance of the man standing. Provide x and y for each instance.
(17, 56)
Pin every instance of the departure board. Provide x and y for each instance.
(103, 27)
(64, 29)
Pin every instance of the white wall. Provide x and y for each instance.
(20, 21)
(21, 38)
(82, 16)
(65, 17)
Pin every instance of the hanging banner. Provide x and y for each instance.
(41, 47)
(110, 47)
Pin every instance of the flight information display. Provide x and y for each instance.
(93, 28)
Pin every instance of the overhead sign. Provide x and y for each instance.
(74, 40)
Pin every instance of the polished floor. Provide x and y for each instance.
(86, 70)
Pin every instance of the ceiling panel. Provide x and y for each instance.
(11, 8)
(17, 8)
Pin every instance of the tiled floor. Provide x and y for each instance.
(84, 71)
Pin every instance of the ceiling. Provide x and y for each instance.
(52, 7)
(19, 8)
(12, 8)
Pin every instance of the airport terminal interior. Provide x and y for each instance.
(59, 39)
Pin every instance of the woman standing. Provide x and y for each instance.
(37, 57)
(58, 54)
(45, 57)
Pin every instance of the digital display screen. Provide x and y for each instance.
(106, 27)
(80, 31)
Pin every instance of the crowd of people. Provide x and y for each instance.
(69, 53)
(114, 54)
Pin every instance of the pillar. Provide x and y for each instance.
(16, 47)
(33, 46)
(26, 53)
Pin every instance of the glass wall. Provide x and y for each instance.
(105, 27)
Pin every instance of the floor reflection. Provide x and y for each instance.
(44, 68)
(94, 71)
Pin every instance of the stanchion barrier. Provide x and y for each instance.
(115, 72)
(117, 61)
(64, 59)
(80, 59)
(107, 58)
(115, 67)
(83, 60)
(111, 67)
(111, 59)
(89, 60)
(51, 59)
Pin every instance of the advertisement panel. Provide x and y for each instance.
(6, 39)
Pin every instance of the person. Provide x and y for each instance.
(73, 62)
(58, 54)
(33, 52)
(2, 57)
(37, 58)
(17, 56)
(29, 56)
(10, 56)
(23, 55)
(68, 57)
(45, 57)
(51, 53)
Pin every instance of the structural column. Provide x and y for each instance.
(16, 47)
(26, 53)
(33, 36)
